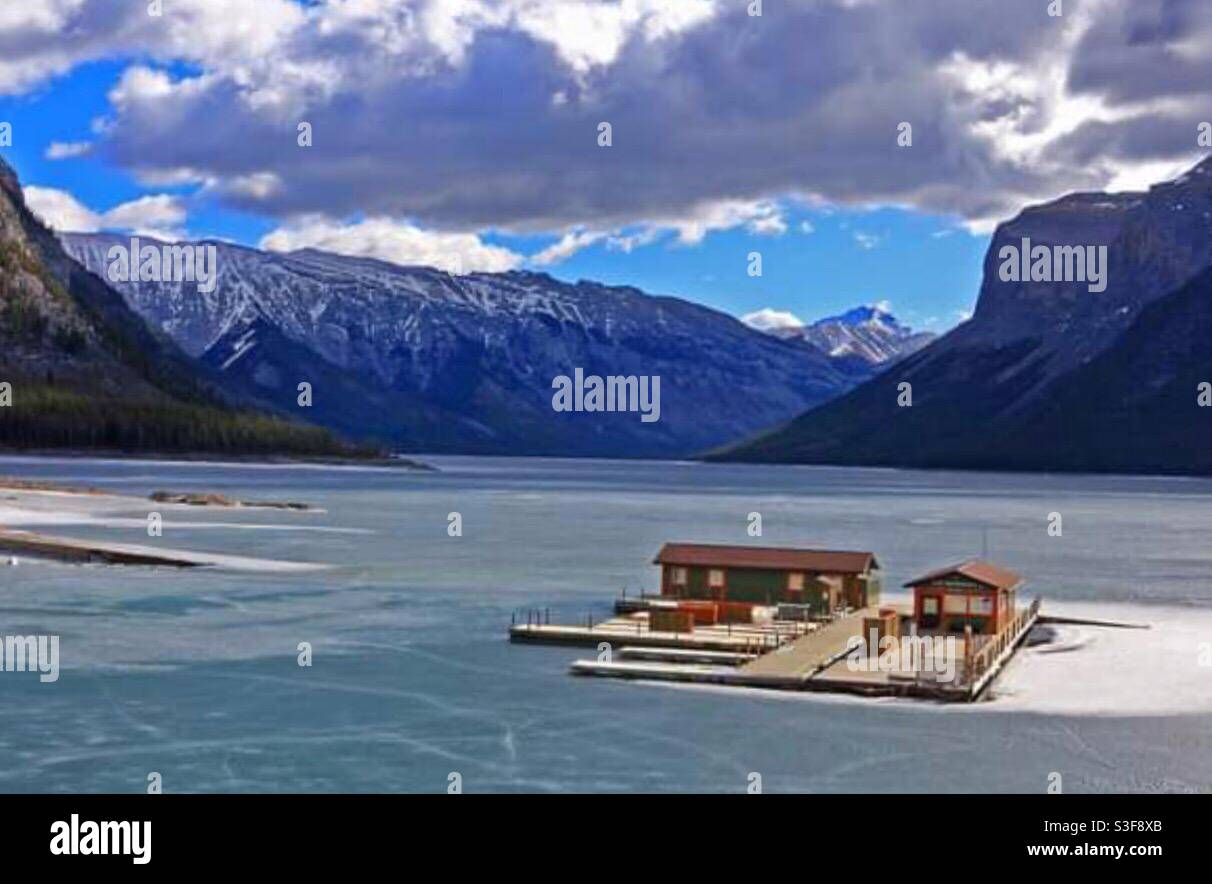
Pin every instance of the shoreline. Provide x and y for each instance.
(194, 457)
(29, 506)
(179, 498)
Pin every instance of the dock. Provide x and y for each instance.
(781, 655)
(633, 629)
(804, 619)
(793, 664)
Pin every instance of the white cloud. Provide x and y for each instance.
(773, 321)
(761, 217)
(589, 33)
(628, 242)
(158, 211)
(60, 210)
(806, 228)
(1012, 108)
(257, 185)
(394, 241)
(767, 225)
(568, 245)
(159, 215)
(867, 241)
(64, 150)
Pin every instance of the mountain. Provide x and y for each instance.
(871, 334)
(86, 372)
(1050, 375)
(868, 336)
(428, 361)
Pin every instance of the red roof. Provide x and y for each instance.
(977, 570)
(826, 561)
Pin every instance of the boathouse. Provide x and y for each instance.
(974, 593)
(823, 580)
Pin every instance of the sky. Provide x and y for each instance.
(468, 134)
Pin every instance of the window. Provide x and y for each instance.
(982, 604)
(715, 578)
(795, 581)
(955, 603)
(678, 576)
(930, 606)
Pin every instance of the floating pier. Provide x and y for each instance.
(804, 620)
(781, 655)
(680, 655)
(634, 630)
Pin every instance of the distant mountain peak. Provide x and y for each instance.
(870, 313)
(869, 333)
(864, 313)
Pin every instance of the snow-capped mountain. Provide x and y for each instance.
(1052, 375)
(433, 362)
(870, 334)
(90, 374)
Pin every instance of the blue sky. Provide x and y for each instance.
(464, 135)
(828, 260)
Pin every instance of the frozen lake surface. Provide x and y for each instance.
(193, 674)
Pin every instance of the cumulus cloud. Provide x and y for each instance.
(65, 150)
(159, 215)
(569, 244)
(761, 218)
(773, 321)
(467, 115)
(394, 241)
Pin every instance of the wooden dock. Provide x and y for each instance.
(633, 630)
(783, 655)
(794, 663)
(683, 655)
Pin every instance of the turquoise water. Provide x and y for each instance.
(193, 674)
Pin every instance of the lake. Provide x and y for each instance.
(193, 674)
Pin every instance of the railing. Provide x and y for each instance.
(758, 638)
(977, 663)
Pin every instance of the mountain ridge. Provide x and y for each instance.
(986, 395)
(464, 364)
(85, 372)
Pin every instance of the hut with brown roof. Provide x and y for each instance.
(825, 580)
(974, 593)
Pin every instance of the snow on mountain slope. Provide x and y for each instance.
(430, 361)
(870, 334)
